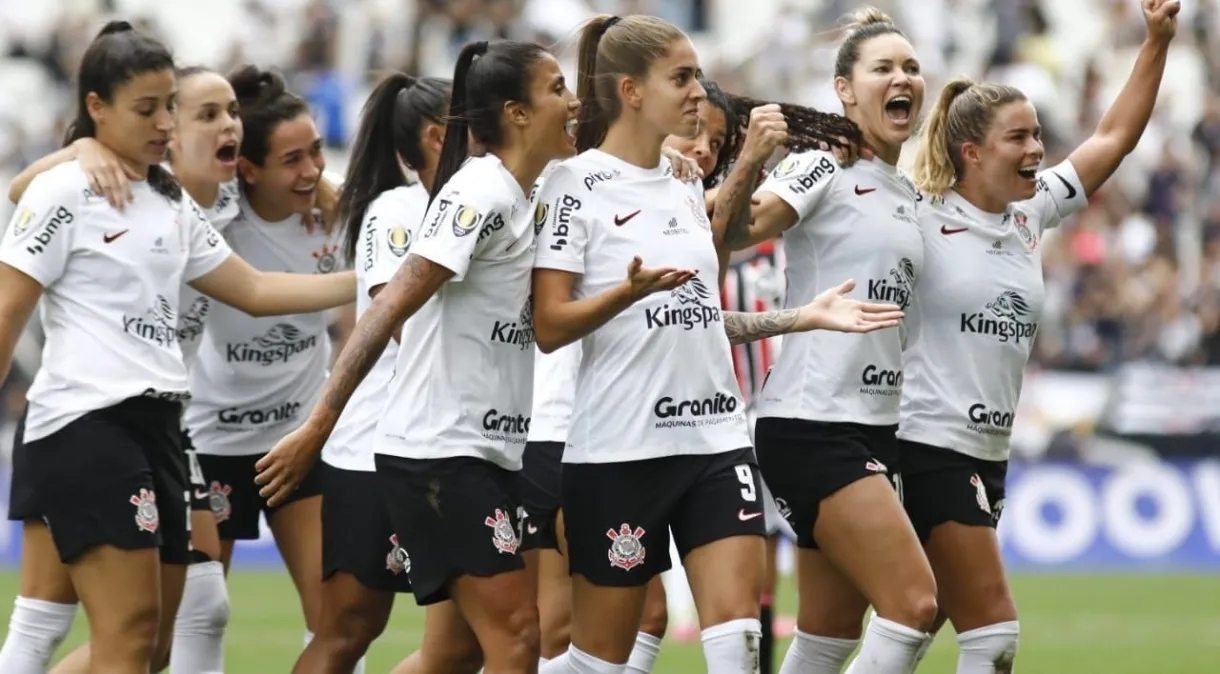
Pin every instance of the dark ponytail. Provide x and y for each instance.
(807, 128)
(116, 56)
(733, 135)
(457, 143)
(265, 102)
(396, 111)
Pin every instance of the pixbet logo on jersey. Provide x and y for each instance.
(279, 345)
(565, 206)
(690, 312)
(1004, 318)
(985, 421)
(156, 326)
(896, 288)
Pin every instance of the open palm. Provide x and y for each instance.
(834, 310)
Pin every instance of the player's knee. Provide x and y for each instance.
(918, 609)
(350, 632)
(655, 619)
(522, 628)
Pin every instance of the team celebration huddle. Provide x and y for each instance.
(539, 395)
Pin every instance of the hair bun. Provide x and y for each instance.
(251, 83)
(113, 27)
(867, 16)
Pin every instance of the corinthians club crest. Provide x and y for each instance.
(626, 550)
(147, 518)
(397, 561)
(218, 501)
(503, 536)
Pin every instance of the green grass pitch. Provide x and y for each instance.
(1069, 624)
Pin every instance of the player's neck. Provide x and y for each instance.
(632, 144)
(974, 193)
(524, 166)
(202, 190)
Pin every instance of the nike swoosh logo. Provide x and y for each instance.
(865, 190)
(532, 529)
(107, 238)
(1071, 190)
(946, 230)
(620, 221)
(745, 516)
(201, 494)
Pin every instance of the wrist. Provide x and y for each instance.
(624, 294)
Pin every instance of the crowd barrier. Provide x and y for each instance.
(1148, 516)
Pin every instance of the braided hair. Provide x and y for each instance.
(808, 129)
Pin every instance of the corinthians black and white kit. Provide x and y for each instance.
(972, 325)
(194, 308)
(255, 379)
(828, 409)
(451, 436)
(102, 438)
(658, 438)
(357, 534)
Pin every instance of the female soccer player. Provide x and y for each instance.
(828, 412)
(975, 314)
(255, 377)
(671, 449)
(115, 277)
(451, 436)
(363, 565)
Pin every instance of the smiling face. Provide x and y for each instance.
(1007, 160)
(885, 91)
(289, 176)
(551, 113)
(209, 129)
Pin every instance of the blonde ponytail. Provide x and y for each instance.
(963, 114)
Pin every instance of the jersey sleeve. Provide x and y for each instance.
(802, 180)
(39, 239)
(385, 238)
(1060, 194)
(450, 235)
(207, 249)
(560, 214)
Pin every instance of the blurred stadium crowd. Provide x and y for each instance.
(1134, 278)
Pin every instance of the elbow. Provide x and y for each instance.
(546, 337)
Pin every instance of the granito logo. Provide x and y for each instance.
(156, 326)
(712, 411)
(281, 343)
(519, 333)
(876, 381)
(1007, 321)
(565, 206)
(596, 177)
(46, 232)
(505, 427)
(265, 416)
(690, 312)
(986, 421)
(897, 288)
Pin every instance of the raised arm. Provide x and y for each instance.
(731, 210)
(260, 293)
(1120, 129)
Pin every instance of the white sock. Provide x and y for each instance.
(580, 662)
(889, 648)
(923, 651)
(35, 630)
(988, 650)
(556, 665)
(811, 654)
(732, 647)
(644, 655)
(199, 627)
(358, 669)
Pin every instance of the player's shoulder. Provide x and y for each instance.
(411, 197)
(481, 181)
(808, 169)
(67, 179)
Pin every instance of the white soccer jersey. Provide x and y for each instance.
(194, 304)
(111, 279)
(390, 224)
(464, 375)
(554, 391)
(657, 379)
(856, 222)
(255, 379)
(975, 314)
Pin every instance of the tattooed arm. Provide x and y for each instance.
(743, 328)
(415, 282)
